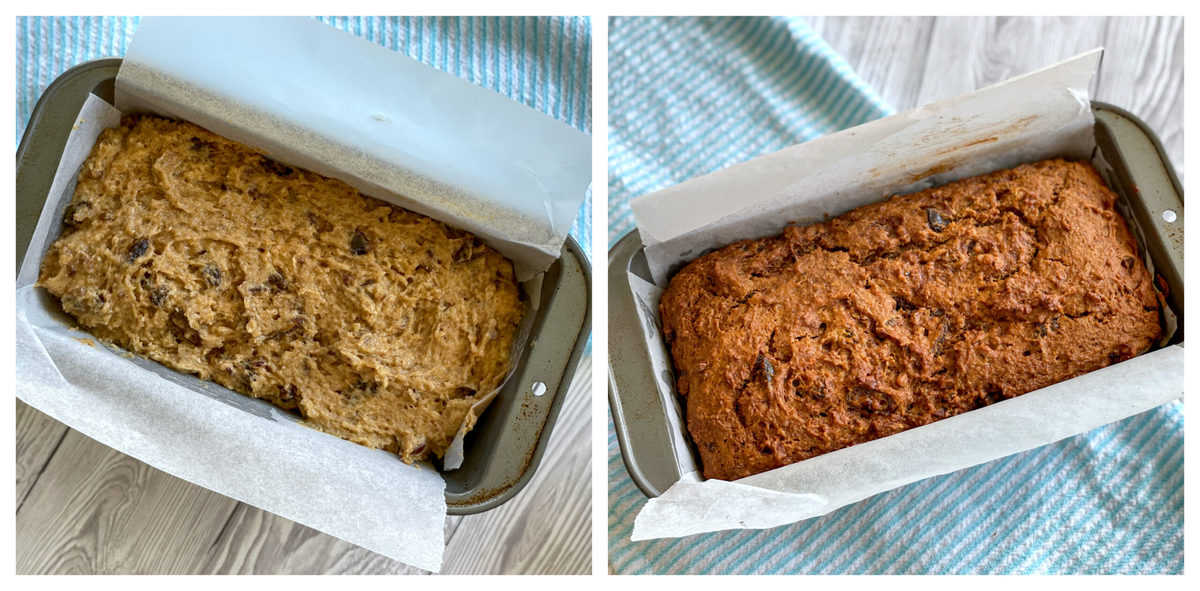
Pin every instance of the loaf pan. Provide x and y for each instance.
(503, 450)
(1142, 176)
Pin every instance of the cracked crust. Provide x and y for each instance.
(377, 324)
(902, 313)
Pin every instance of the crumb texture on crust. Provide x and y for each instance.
(902, 313)
(377, 324)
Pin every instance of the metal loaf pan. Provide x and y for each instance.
(503, 450)
(1142, 176)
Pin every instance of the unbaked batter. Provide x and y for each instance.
(377, 324)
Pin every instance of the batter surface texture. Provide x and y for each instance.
(902, 313)
(377, 324)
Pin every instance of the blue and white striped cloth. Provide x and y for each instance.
(543, 62)
(690, 96)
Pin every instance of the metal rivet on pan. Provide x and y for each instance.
(539, 389)
(1169, 216)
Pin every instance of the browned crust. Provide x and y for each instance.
(902, 313)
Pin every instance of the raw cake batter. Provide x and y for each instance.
(377, 324)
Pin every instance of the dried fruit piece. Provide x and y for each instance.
(139, 248)
(82, 300)
(768, 370)
(214, 354)
(468, 250)
(358, 243)
(71, 214)
(936, 222)
(359, 391)
(1047, 327)
(288, 393)
(159, 295)
(212, 274)
(277, 281)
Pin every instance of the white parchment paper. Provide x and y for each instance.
(1040, 115)
(1032, 117)
(393, 128)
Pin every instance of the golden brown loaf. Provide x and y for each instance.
(377, 324)
(902, 313)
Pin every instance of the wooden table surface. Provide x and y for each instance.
(84, 508)
(918, 60)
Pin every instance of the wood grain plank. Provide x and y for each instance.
(38, 437)
(95, 510)
(546, 528)
(967, 53)
(881, 50)
(1143, 73)
(258, 542)
(1142, 69)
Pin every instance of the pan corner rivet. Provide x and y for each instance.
(1169, 216)
(539, 389)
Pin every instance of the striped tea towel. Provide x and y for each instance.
(690, 96)
(544, 63)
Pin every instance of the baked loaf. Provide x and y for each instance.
(902, 313)
(377, 324)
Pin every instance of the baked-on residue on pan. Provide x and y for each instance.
(377, 324)
(904, 312)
